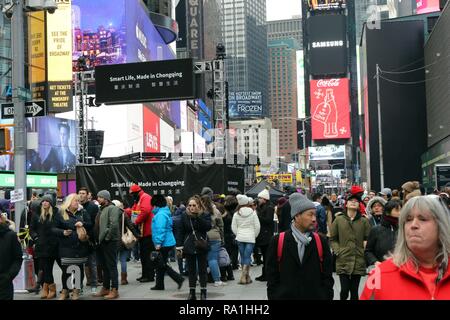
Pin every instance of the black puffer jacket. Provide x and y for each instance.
(70, 246)
(10, 261)
(265, 215)
(382, 239)
(184, 234)
(45, 240)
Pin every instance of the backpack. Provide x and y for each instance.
(318, 244)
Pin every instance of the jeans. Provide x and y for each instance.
(192, 261)
(349, 283)
(108, 262)
(213, 257)
(124, 255)
(92, 266)
(245, 250)
(46, 265)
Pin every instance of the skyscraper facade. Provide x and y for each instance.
(245, 39)
(283, 43)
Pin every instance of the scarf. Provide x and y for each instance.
(302, 241)
(392, 220)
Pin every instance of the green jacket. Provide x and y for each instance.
(110, 223)
(347, 241)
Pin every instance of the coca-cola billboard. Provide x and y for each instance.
(330, 109)
(151, 131)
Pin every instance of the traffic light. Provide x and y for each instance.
(5, 140)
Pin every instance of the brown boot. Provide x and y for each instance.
(113, 294)
(76, 294)
(64, 294)
(44, 291)
(123, 276)
(101, 293)
(243, 279)
(247, 276)
(51, 291)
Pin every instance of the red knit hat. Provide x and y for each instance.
(135, 188)
(356, 189)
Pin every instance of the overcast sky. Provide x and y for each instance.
(282, 9)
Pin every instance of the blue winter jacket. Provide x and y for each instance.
(162, 228)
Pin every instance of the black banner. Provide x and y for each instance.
(180, 181)
(145, 82)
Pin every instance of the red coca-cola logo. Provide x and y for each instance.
(328, 83)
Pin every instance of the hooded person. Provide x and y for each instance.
(375, 210)
(246, 227)
(411, 189)
(300, 272)
(142, 215)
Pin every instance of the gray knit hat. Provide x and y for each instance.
(207, 191)
(299, 204)
(104, 194)
(48, 198)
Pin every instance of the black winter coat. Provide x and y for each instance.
(92, 209)
(184, 233)
(292, 280)
(10, 261)
(45, 240)
(382, 239)
(229, 236)
(265, 215)
(70, 246)
(284, 220)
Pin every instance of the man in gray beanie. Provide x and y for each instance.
(108, 226)
(303, 270)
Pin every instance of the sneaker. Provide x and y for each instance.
(219, 283)
(93, 290)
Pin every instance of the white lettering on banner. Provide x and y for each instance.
(249, 108)
(327, 44)
(151, 141)
(194, 27)
(328, 83)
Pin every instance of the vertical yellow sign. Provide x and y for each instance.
(36, 53)
(59, 57)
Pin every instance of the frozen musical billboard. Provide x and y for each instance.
(330, 109)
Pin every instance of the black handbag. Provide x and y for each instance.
(200, 244)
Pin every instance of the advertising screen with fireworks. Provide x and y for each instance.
(330, 109)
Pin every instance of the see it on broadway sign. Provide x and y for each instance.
(145, 82)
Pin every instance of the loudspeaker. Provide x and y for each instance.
(95, 143)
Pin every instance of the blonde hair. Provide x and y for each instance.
(402, 254)
(65, 206)
(44, 215)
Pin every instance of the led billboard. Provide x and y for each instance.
(301, 104)
(327, 44)
(427, 6)
(326, 4)
(245, 104)
(330, 109)
(151, 131)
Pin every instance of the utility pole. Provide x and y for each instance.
(380, 135)
(20, 134)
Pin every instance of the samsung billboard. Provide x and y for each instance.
(245, 104)
(327, 44)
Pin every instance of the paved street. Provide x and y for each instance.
(137, 291)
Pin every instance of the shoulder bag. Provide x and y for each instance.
(200, 244)
(128, 239)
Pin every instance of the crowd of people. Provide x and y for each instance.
(400, 239)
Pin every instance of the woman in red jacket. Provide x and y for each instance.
(419, 267)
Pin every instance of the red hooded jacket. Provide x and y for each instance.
(145, 214)
(390, 282)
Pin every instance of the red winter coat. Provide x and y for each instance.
(402, 283)
(144, 219)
